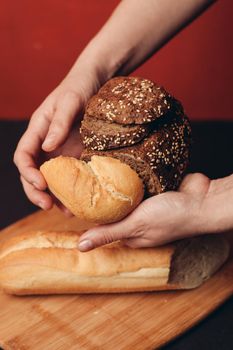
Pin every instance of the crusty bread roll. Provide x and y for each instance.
(50, 263)
(103, 190)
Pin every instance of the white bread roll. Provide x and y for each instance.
(103, 190)
(50, 263)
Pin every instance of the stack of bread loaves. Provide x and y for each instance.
(141, 124)
(136, 141)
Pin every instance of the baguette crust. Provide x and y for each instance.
(50, 263)
(98, 191)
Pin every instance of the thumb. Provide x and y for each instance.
(62, 121)
(105, 234)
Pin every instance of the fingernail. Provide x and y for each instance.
(49, 140)
(85, 245)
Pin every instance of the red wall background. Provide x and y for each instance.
(40, 40)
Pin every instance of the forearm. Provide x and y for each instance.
(136, 29)
(217, 208)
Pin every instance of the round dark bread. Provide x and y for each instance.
(162, 158)
(129, 100)
(101, 135)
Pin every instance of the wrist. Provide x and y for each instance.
(84, 78)
(217, 208)
(104, 57)
(94, 65)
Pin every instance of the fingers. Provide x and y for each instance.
(28, 170)
(66, 211)
(62, 121)
(106, 234)
(46, 120)
(143, 242)
(39, 198)
(25, 157)
(157, 220)
(28, 149)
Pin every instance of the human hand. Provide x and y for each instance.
(103, 58)
(157, 220)
(51, 132)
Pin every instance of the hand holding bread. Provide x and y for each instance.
(131, 128)
(136, 141)
(157, 220)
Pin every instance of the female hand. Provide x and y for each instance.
(51, 132)
(103, 58)
(157, 220)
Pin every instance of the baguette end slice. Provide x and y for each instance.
(197, 259)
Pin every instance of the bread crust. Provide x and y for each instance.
(98, 191)
(129, 100)
(101, 135)
(161, 157)
(165, 152)
(49, 263)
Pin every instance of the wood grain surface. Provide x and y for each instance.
(90, 322)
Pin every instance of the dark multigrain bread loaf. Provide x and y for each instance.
(161, 159)
(129, 100)
(136, 121)
(102, 135)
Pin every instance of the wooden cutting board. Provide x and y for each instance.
(91, 322)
